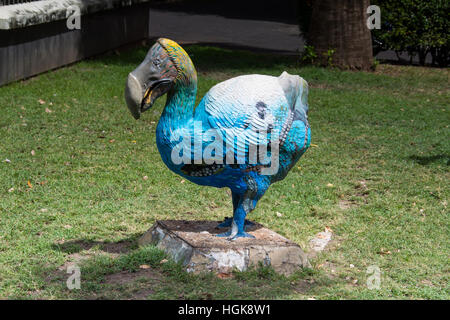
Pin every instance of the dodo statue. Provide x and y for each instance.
(245, 134)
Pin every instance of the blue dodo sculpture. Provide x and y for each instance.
(245, 134)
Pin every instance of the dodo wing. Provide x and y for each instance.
(247, 110)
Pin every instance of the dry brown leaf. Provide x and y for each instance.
(163, 261)
(144, 266)
(224, 275)
(384, 251)
(41, 101)
(48, 110)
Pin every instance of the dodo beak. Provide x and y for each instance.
(139, 100)
(134, 95)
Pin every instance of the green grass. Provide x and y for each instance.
(381, 139)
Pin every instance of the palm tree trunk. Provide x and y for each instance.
(340, 25)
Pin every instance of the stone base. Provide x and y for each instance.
(194, 243)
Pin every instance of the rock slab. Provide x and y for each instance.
(195, 245)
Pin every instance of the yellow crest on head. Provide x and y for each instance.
(170, 45)
(179, 57)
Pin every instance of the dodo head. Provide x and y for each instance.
(162, 67)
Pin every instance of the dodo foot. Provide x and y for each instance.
(237, 235)
(227, 223)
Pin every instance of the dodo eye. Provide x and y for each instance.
(156, 62)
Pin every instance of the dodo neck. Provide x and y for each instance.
(181, 98)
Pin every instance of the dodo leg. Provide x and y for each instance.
(238, 221)
(227, 221)
(256, 187)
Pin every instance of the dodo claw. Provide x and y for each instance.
(227, 223)
(236, 236)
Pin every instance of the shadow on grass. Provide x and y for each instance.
(120, 247)
(207, 57)
(430, 159)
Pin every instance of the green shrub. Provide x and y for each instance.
(417, 27)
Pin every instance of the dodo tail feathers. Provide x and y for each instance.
(296, 91)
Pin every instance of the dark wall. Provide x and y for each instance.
(28, 51)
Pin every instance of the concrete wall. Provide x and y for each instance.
(42, 44)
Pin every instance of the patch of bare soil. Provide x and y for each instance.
(361, 191)
(319, 86)
(126, 277)
(86, 251)
(140, 290)
(108, 247)
(304, 286)
(346, 204)
(74, 259)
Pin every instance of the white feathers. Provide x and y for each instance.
(246, 106)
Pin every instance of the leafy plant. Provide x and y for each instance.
(329, 57)
(309, 55)
(417, 27)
